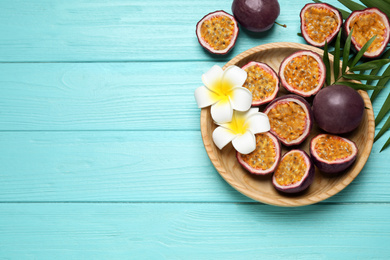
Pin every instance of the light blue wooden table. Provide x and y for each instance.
(101, 151)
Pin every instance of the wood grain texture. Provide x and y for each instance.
(104, 96)
(100, 30)
(137, 166)
(260, 187)
(193, 231)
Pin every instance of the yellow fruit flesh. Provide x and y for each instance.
(365, 26)
(320, 23)
(263, 157)
(218, 32)
(332, 148)
(259, 82)
(302, 73)
(291, 169)
(287, 120)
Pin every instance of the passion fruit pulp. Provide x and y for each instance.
(291, 119)
(294, 173)
(256, 15)
(264, 159)
(338, 109)
(302, 73)
(217, 32)
(320, 23)
(332, 154)
(366, 24)
(262, 82)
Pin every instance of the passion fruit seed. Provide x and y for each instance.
(332, 148)
(365, 26)
(320, 22)
(291, 169)
(287, 120)
(218, 31)
(332, 154)
(302, 73)
(264, 156)
(262, 82)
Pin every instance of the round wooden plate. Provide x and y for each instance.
(260, 187)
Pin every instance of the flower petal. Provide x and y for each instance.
(222, 112)
(222, 136)
(241, 99)
(204, 97)
(258, 123)
(235, 75)
(245, 143)
(210, 77)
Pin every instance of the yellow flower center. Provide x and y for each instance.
(238, 125)
(224, 89)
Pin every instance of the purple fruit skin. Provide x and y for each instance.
(331, 169)
(302, 24)
(256, 15)
(310, 126)
(306, 182)
(338, 109)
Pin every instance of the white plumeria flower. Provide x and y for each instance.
(223, 90)
(241, 130)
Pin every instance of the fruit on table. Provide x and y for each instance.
(302, 73)
(217, 32)
(367, 23)
(290, 118)
(262, 81)
(332, 154)
(256, 15)
(294, 173)
(320, 23)
(264, 159)
(338, 109)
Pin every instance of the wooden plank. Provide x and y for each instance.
(104, 96)
(137, 166)
(101, 30)
(193, 231)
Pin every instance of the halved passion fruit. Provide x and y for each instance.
(262, 81)
(291, 119)
(320, 23)
(367, 23)
(217, 32)
(294, 173)
(264, 159)
(302, 73)
(332, 154)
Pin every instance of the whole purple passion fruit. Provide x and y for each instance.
(332, 154)
(262, 81)
(294, 173)
(256, 15)
(217, 32)
(365, 24)
(264, 159)
(302, 73)
(291, 119)
(338, 109)
(320, 23)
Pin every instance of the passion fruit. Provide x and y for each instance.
(302, 73)
(320, 23)
(264, 159)
(338, 109)
(294, 173)
(262, 81)
(217, 32)
(256, 15)
(332, 154)
(291, 119)
(367, 23)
